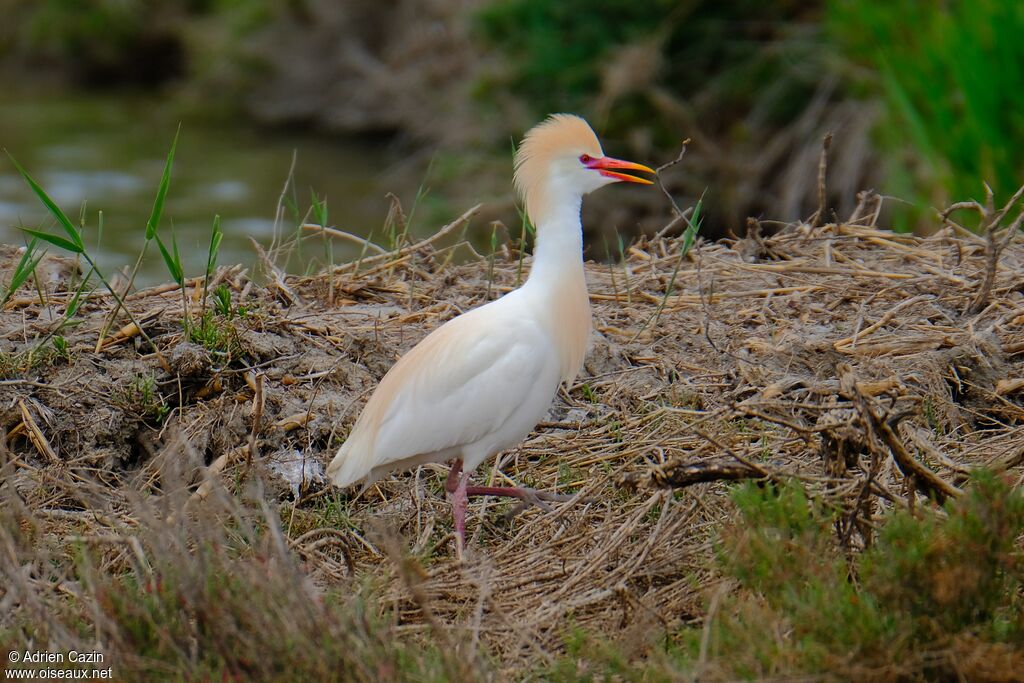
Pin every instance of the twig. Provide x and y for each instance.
(454, 225)
(255, 381)
(749, 464)
(682, 474)
(925, 480)
(709, 620)
(35, 434)
(333, 232)
(657, 177)
(851, 341)
(819, 215)
(993, 250)
(990, 221)
(878, 428)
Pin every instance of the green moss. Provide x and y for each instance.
(215, 332)
(142, 396)
(15, 365)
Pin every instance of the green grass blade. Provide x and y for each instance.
(692, 227)
(23, 274)
(222, 300)
(74, 248)
(293, 208)
(319, 209)
(26, 266)
(161, 193)
(75, 237)
(76, 300)
(524, 218)
(23, 269)
(177, 258)
(173, 262)
(215, 239)
(216, 235)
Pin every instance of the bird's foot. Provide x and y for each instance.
(457, 485)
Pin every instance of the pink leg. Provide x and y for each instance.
(456, 487)
(452, 482)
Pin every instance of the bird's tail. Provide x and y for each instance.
(346, 468)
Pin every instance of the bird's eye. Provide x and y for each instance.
(585, 158)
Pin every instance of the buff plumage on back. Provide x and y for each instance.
(558, 134)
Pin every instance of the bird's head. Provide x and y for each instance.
(561, 159)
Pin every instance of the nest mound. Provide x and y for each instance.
(873, 365)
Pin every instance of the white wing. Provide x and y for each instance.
(457, 387)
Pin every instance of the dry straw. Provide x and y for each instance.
(879, 368)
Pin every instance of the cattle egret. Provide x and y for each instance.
(481, 382)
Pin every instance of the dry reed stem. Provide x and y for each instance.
(35, 434)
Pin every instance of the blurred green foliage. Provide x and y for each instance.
(754, 84)
(558, 48)
(945, 74)
(138, 42)
(728, 75)
(950, 75)
(100, 39)
(564, 56)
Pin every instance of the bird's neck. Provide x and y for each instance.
(559, 286)
(558, 250)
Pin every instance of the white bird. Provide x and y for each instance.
(482, 381)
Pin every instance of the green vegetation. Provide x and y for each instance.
(60, 345)
(74, 243)
(948, 78)
(935, 592)
(14, 365)
(560, 47)
(143, 396)
(693, 223)
(215, 332)
(171, 260)
(222, 593)
(585, 56)
(740, 73)
(130, 41)
(216, 237)
(755, 84)
(23, 271)
(222, 302)
(247, 622)
(39, 354)
(213, 329)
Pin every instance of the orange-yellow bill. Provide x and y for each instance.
(604, 166)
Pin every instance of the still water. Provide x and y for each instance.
(107, 153)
